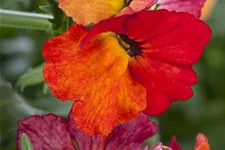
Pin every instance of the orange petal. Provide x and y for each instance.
(95, 77)
(202, 142)
(90, 11)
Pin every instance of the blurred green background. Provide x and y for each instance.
(21, 51)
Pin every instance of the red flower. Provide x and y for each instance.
(110, 86)
(166, 46)
(54, 133)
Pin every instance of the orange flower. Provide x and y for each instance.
(90, 11)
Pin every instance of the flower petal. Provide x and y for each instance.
(162, 81)
(45, 132)
(190, 6)
(137, 5)
(84, 141)
(170, 43)
(174, 145)
(90, 11)
(202, 142)
(179, 42)
(131, 135)
(95, 77)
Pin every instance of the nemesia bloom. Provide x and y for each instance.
(112, 77)
(92, 11)
(52, 132)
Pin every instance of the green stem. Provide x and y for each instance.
(25, 20)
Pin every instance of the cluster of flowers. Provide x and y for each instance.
(134, 61)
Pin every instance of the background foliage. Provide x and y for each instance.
(21, 51)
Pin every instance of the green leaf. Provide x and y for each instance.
(59, 22)
(47, 8)
(157, 6)
(45, 89)
(32, 77)
(25, 142)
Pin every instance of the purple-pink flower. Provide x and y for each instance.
(53, 132)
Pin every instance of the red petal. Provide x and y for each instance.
(131, 135)
(162, 81)
(190, 6)
(174, 145)
(84, 141)
(45, 132)
(176, 38)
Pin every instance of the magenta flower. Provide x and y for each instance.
(191, 6)
(53, 132)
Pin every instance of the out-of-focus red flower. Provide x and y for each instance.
(190, 6)
(52, 132)
(145, 66)
(201, 144)
(174, 145)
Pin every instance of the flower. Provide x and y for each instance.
(201, 144)
(113, 77)
(191, 6)
(92, 11)
(52, 132)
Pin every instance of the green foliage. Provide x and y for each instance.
(157, 6)
(32, 77)
(59, 22)
(25, 142)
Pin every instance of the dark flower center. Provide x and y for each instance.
(129, 45)
(128, 2)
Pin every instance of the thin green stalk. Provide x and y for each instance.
(17, 19)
